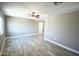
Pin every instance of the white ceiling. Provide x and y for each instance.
(22, 9)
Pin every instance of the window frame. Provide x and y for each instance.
(1, 25)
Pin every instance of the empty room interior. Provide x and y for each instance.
(39, 28)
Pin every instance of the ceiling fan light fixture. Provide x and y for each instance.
(37, 16)
(33, 14)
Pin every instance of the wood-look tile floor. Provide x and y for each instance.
(33, 46)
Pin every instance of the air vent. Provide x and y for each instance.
(57, 3)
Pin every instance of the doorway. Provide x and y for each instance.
(41, 27)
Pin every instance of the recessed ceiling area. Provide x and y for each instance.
(22, 9)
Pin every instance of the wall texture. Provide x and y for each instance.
(64, 29)
(17, 26)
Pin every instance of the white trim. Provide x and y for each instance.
(70, 49)
(23, 35)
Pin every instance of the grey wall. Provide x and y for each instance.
(64, 28)
(2, 37)
(17, 26)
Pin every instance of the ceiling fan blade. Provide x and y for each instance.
(37, 16)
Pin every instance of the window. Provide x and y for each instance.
(1, 27)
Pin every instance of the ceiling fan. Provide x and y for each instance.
(33, 15)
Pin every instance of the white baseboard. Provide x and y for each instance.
(18, 36)
(72, 50)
